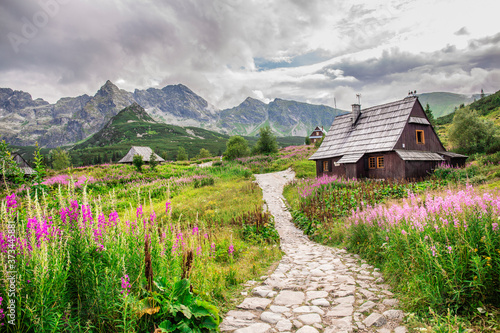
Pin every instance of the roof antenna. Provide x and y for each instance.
(335, 102)
(358, 96)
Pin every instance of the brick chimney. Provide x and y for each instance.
(356, 111)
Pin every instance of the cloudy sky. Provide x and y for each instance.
(225, 50)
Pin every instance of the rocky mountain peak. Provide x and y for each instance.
(108, 88)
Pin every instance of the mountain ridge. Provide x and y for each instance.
(24, 120)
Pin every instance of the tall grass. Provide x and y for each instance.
(86, 255)
(443, 252)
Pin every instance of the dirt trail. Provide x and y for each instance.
(314, 288)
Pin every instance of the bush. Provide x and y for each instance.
(138, 162)
(267, 142)
(181, 154)
(470, 134)
(237, 147)
(60, 159)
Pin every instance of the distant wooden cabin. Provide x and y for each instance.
(145, 152)
(394, 140)
(317, 134)
(23, 165)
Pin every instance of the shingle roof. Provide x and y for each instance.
(418, 120)
(350, 158)
(145, 152)
(377, 129)
(23, 165)
(450, 154)
(415, 155)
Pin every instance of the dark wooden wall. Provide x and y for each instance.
(409, 138)
(419, 169)
(340, 170)
(393, 167)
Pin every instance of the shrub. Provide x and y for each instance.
(267, 142)
(181, 154)
(237, 147)
(138, 162)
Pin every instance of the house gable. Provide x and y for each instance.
(418, 133)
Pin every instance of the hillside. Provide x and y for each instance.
(443, 103)
(488, 107)
(133, 126)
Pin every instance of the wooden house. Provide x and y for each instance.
(23, 165)
(394, 140)
(317, 134)
(145, 152)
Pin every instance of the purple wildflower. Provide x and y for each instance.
(494, 226)
(230, 250)
(125, 285)
(11, 202)
(138, 211)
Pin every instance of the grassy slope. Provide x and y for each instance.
(488, 107)
(443, 103)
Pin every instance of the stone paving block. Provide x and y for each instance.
(345, 300)
(341, 310)
(284, 325)
(278, 308)
(375, 319)
(310, 318)
(288, 297)
(316, 294)
(254, 303)
(390, 302)
(366, 306)
(307, 329)
(309, 309)
(271, 317)
(396, 315)
(320, 302)
(400, 329)
(255, 328)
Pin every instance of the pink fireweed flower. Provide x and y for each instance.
(433, 249)
(450, 249)
(230, 250)
(195, 230)
(125, 285)
(11, 202)
(113, 218)
(494, 226)
(2, 315)
(205, 235)
(138, 211)
(152, 216)
(403, 232)
(167, 207)
(198, 251)
(212, 249)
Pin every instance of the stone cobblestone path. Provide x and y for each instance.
(314, 288)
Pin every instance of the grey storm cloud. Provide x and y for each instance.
(56, 48)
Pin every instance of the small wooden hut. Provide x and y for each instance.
(317, 134)
(145, 152)
(23, 165)
(394, 140)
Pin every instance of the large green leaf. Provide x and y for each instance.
(186, 311)
(166, 326)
